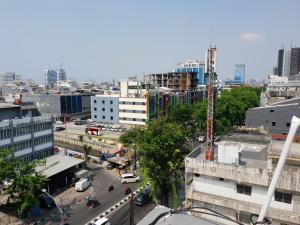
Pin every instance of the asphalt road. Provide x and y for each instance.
(122, 215)
(82, 214)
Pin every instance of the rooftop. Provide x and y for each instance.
(58, 163)
(173, 219)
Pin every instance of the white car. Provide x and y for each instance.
(129, 178)
(102, 221)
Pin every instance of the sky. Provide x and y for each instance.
(101, 40)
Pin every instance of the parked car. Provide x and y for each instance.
(102, 221)
(129, 178)
(105, 156)
(110, 166)
(46, 202)
(82, 185)
(59, 128)
(143, 197)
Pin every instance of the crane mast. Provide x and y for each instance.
(211, 67)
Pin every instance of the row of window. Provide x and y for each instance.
(132, 103)
(103, 109)
(19, 131)
(274, 123)
(103, 117)
(132, 119)
(36, 141)
(279, 196)
(132, 111)
(103, 101)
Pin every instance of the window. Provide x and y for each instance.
(103, 101)
(288, 124)
(133, 119)
(103, 117)
(143, 103)
(95, 101)
(197, 175)
(273, 124)
(243, 189)
(111, 102)
(123, 103)
(111, 109)
(133, 103)
(221, 179)
(111, 118)
(271, 110)
(133, 111)
(103, 109)
(95, 116)
(283, 197)
(95, 109)
(144, 111)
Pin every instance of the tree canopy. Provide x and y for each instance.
(26, 182)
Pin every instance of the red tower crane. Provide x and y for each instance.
(211, 70)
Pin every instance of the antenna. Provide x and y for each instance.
(211, 35)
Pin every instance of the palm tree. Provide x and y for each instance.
(86, 150)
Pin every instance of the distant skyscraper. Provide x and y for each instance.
(288, 62)
(61, 74)
(192, 66)
(239, 73)
(295, 61)
(7, 77)
(280, 61)
(275, 70)
(50, 77)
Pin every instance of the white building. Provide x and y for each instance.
(29, 137)
(133, 111)
(105, 108)
(236, 182)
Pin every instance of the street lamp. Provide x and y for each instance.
(60, 210)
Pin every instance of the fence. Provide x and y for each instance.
(76, 145)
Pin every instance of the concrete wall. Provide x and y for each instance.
(110, 104)
(48, 104)
(265, 116)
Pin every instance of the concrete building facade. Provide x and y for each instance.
(65, 106)
(235, 183)
(29, 138)
(105, 108)
(193, 66)
(133, 111)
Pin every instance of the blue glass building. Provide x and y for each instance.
(239, 73)
(193, 66)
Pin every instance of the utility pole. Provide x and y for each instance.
(131, 210)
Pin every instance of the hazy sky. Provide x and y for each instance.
(102, 40)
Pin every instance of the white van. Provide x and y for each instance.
(129, 178)
(82, 185)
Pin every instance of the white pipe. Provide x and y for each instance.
(295, 123)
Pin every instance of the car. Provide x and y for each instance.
(78, 123)
(46, 201)
(121, 167)
(102, 221)
(105, 156)
(143, 197)
(129, 178)
(110, 166)
(59, 128)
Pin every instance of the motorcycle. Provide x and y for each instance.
(92, 202)
(127, 191)
(110, 187)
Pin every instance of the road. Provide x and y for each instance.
(122, 216)
(81, 214)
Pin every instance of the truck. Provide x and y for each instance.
(82, 184)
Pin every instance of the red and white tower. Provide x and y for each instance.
(211, 71)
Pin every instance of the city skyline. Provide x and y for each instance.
(106, 40)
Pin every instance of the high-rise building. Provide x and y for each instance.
(280, 61)
(288, 62)
(192, 66)
(295, 61)
(50, 77)
(239, 73)
(7, 77)
(61, 75)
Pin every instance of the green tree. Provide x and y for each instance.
(86, 150)
(26, 182)
(131, 139)
(162, 155)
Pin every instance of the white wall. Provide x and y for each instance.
(227, 189)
